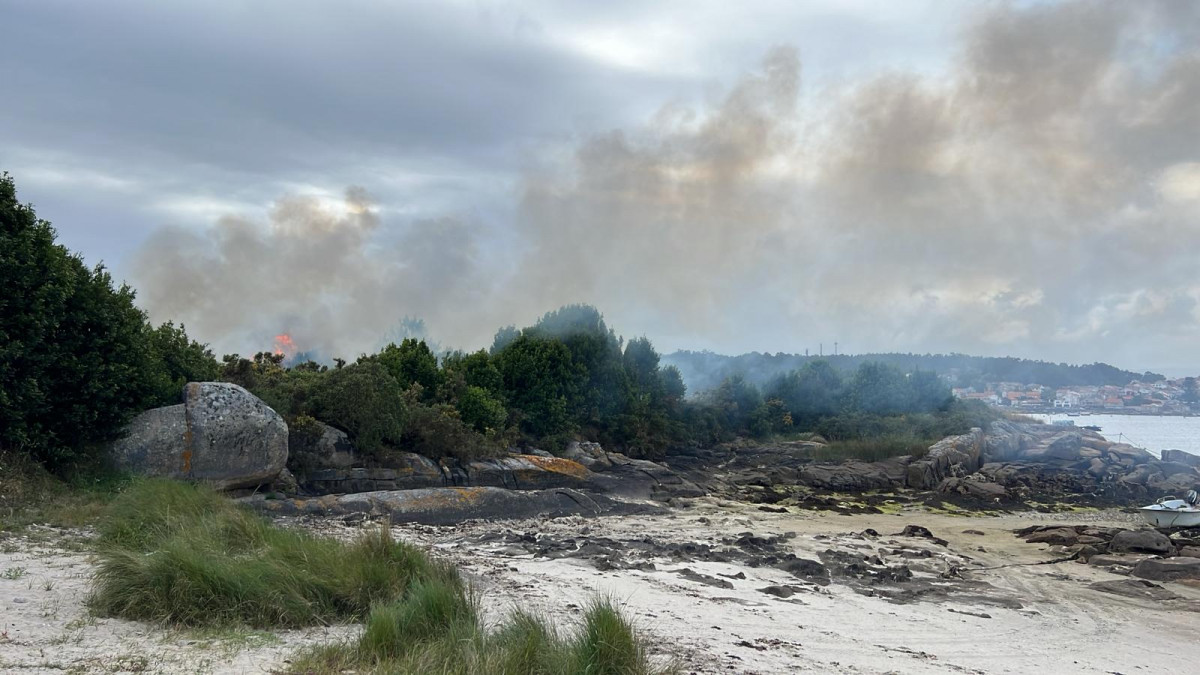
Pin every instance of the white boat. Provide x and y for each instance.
(1171, 512)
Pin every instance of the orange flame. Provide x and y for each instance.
(284, 345)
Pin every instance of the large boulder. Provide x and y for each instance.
(221, 434)
(1168, 569)
(1143, 541)
(1003, 442)
(1181, 457)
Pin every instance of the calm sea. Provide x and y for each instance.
(1152, 432)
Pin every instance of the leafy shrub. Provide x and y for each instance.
(75, 356)
(437, 431)
(412, 362)
(365, 401)
(177, 360)
(481, 410)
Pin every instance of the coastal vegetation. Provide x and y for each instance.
(436, 628)
(78, 359)
(183, 555)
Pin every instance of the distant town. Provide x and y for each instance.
(1163, 397)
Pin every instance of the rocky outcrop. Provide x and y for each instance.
(950, 457)
(1049, 462)
(610, 473)
(974, 486)
(316, 446)
(445, 506)
(407, 471)
(857, 476)
(221, 434)
(1168, 569)
(526, 472)
(590, 455)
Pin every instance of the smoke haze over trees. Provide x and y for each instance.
(1028, 194)
(78, 359)
(705, 370)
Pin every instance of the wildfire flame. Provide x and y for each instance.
(284, 345)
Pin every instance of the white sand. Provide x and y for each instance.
(1062, 627)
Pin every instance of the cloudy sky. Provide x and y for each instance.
(980, 177)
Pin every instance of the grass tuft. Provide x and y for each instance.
(431, 610)
(184, 555)
(436, 629)
(607, 644)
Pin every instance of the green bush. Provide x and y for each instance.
(481, 410)
(75, 357)
(363, 400)
(427, 614)
(412, 362)
(177, 361)
(437, 431)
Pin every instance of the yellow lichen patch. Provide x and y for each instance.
(435, 499)
(557, 465)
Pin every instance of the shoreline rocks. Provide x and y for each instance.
(446, 506)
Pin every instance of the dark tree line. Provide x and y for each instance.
(77, 357)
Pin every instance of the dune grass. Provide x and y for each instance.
(184, 555)
(436, 629)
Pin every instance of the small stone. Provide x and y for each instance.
(778, 591)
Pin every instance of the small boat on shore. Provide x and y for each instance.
(1170, 512)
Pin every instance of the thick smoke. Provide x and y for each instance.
(314, 271)
(1040, 197)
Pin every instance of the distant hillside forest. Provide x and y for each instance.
(78, 359)
(705, 370)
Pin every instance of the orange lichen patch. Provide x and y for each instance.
(187, 458)
(557, 465)
(440, 498)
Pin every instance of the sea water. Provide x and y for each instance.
(1152, 432)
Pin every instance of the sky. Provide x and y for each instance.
(996, 178)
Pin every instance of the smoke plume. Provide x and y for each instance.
(1040, 197)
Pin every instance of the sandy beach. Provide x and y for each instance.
(710, 585)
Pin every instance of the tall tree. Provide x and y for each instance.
(75, 361)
